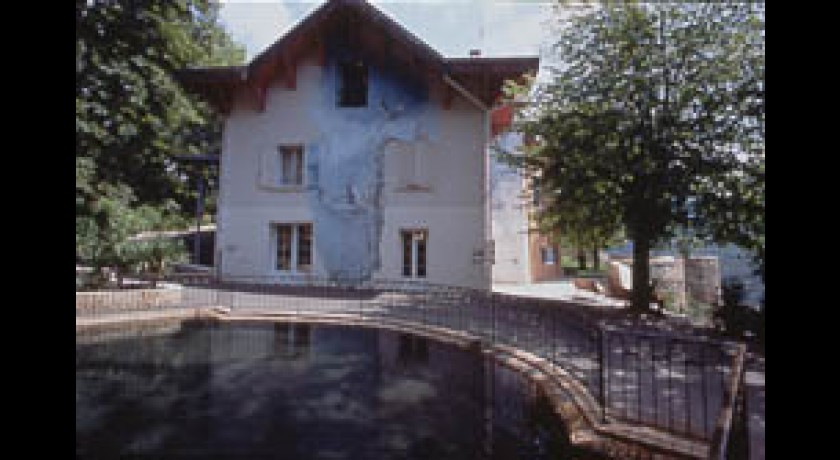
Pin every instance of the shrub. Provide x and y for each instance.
(733, 317)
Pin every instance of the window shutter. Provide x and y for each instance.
(310, 158)
(400, 155)
(422, 163)
(269, 169)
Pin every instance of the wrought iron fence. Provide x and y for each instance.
(672, 382)
(730, 439)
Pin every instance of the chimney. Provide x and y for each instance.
(475, 53)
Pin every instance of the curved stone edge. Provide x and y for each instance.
(615, 438)
(570, 400)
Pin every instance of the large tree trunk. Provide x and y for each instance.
(581, 257)
(641, 296)
(596, 259)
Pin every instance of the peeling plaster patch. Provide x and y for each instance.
(345, 166)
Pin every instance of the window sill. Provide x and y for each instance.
(283, 188)
(295, 273)
(413, 188)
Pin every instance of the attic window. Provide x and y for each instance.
(353, 89)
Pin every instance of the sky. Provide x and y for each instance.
(452, 27)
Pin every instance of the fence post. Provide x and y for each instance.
(638, 378)
(493, 318)
(605, 375)
(668, 349)
(687, 387)
(460, 307)
(553, 314)
(731, 428)
(425, 303)
(703, 389)
(745, 417)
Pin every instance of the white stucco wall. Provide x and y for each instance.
(369, 150)
(509, 217)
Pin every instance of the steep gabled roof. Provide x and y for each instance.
(378, 37)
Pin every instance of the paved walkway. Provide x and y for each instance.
(559, 290)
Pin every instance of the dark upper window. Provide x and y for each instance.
(353, 80)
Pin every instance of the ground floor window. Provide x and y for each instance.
(414, 252)
(293, 247)
(549, 255)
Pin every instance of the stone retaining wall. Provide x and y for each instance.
(676, 279)
(132, 299)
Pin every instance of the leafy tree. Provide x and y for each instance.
(132, 116)
(583, 223)
(153, 253)
(586, 227)
(655, 115)
(109, 239)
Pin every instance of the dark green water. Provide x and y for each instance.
(295, 391)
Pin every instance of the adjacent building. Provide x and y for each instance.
(523, 254)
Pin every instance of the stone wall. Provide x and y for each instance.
(676, 280)
(703, 278)
(131, 299)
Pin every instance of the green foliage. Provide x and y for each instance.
(734, 318)
(132, 117)
(582, 223)
(154, 255)
(108, 238)
(700, 313)
(653, 119)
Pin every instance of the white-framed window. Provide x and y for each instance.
(414, 252)
(290, 161)
(548, 255)
(283, 168)
(292, 247)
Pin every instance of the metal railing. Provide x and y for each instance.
(670, 381)
(730, 439)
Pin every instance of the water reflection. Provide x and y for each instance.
(296, 391)
(412, 350)
(292, 340)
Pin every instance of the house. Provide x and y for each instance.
(523, 254)
(353, 150)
